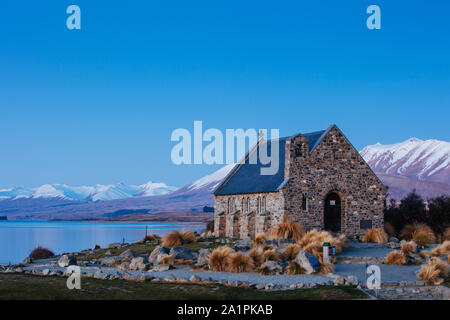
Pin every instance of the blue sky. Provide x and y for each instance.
(98, 105)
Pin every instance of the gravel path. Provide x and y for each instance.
(369, 252)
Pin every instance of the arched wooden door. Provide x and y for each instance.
(332, 213)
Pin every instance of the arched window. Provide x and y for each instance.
(304, 203)
(229, 206)
(258, 204)
(248, 205)
(264, 203)
(243, 205)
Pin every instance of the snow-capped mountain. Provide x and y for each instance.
(427, 160)
(87, 193)
(212, 180)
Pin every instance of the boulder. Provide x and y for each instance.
(243, 245)
(162, 267)
(194, 278)
(182, 253)
(45, 272)
(308, 262)
(157, 254)
(351, 281)
(114, 245)
(109, 261)
(128, 254)
(339, 281)
(273, 267)
(67, 260)
(100, 274)
(203, 256)
(138, 263)
(124, 266)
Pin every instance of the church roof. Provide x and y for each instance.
(246, 177)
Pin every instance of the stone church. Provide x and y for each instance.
(322, 182)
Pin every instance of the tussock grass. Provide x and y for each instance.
(291, 251)
(287, 229)
(294, 268)
(273, 255)
(420, 233)
(396, 258)
(167, 260)
(389, 229)
(432, 269)
(326, 268)
(259, 240)
(220, 258)
(240, 263)
(441, 250)
(257, 255)
(375, 235)
(41, 253)
(265, 271)
(409, 247)
(176, 238)
(313, 240)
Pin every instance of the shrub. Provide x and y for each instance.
(409, 247)
(419, 232)
(259, 240)
(241, 263)
(272, 254)
(288, 229)
(441, 250)
(396, 258)
(257, 255)
(176, 238)
(41, 253)
(291, 251)
(432, 269)
(375, 236)
(326, 268)
(313, 240)
(389, 229)
(294, 268)
(219, 259)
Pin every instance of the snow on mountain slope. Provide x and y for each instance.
(427, 160)
(212, 180)
(87, 193)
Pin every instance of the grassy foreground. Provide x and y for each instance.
(24, 286)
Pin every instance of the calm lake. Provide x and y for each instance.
(18, 238)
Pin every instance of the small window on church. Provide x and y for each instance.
(298, 150)
(304, 203)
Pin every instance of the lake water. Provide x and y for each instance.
(19, 238)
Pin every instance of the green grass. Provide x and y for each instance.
(23, 286)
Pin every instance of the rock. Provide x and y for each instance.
(162, 267)
(138, 263)
(45, 272)
(293, 286)
(182, 253)
(273, 266)
(394, 239)
(124, 266)
(100, 274)
(27, 260)
(260, 286)
(128, 254)
(169, 278)
(307, 261)
(109, 261)
(203, 256)
(339, 281)
(194, 278)
(157, 254)
(243, 245)
(351, 281)
(300, 285)
(269, 286)
(108, 253)
(114, 245)
(67, 260)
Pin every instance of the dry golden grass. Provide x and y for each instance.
(294, 268)
(151, 237)
(259, 240)
(272, 254)
(389, 229)
(257, 256)
(188, 236)
(291, 251)
(441, 250)
(176, 238)
(376, 236)
(167, 260)
(219, 259)
(409, 247)
(313, 240)
(207, 234)
(240, 263)
(396, 258)
(326, 268)
(265, 271)
(287, 229)
(432, 269)
(419, 232)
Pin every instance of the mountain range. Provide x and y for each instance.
(411, 164)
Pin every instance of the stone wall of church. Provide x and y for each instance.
(235, 219)
(334, 165)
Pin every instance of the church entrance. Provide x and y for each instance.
(332, 214)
